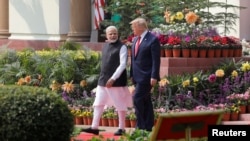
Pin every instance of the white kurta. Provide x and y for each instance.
(119, 97)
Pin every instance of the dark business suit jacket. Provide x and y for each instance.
(146, 64)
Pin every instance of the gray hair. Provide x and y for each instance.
(110, 28)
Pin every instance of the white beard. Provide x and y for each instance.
(111, 41)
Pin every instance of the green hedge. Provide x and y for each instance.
(33, 114)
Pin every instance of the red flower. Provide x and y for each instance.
(130, 37)
(216, 39)
(224, 40)
(174, 40)
(163, 39)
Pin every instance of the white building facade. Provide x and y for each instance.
(59, 20)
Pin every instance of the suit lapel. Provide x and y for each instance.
(141, 44)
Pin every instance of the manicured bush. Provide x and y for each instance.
(33, 114)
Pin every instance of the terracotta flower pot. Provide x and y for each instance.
(185, 52)
(226, 117)
(234, 116)
(127, 123)
(243, 109)
(132, 123)
(176, 52)
(168, 53)
(194, 53)
(104, 122)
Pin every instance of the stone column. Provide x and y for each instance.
(80, 21)
(4, 19)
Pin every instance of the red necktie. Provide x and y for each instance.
(137, 45)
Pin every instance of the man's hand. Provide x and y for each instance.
(110, 83)
(153, 82)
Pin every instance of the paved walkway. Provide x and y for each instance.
(106, 128)
(106, 133)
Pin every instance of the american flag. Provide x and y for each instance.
(99, 12)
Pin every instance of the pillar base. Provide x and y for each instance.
(4, 34)
(79, 37)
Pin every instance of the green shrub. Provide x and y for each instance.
(33, 113)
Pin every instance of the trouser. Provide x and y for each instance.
(143, 107)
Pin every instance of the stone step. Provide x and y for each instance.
(244, 117)
(235, 122)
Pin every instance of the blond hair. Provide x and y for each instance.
(140, 22)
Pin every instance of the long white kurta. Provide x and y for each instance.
(119, 97)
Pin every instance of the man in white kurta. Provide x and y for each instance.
(112, 89)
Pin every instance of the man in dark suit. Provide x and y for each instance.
(144, 72)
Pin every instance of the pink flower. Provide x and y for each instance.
(212, 78)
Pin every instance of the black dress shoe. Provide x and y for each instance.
(119, 132)
(90, 130)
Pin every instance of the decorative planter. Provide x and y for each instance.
(231, 52)
(85, 120)
(110, 121)
(79, 120)
(226, 117)
(234, 116)
(202, 53)
(185, 52)
(168, 53)
(104, 122)
(210, 53)
(194, 53)
(89, 120)
(243, 109)
(176, 52)
(225, 52)
(133, 123)
(127, 123)
(116, 122)
(217, 52)
(162, 53)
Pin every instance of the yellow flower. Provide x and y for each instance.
(195, 80)
(68, 87)
(163, 82)
(219, 73)
(234, 74)
(172, 18)
(83, 83)
(186, 83)
(179, 16)
(245, 67)
(191, 17)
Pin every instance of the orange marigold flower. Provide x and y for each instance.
(83, 83)
(21, 81)
(68, 87)
(191, 17)
(27, 79)
(55, 86)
